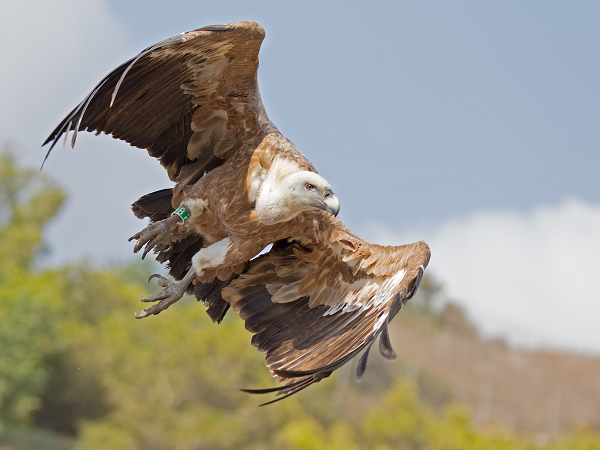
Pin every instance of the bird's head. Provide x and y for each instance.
(282, 199)
(309, 190)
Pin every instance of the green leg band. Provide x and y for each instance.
(183, 214)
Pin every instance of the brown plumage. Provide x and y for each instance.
(321, 294)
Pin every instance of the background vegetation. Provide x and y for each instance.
(77, 371)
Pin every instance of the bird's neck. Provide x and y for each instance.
(273, 205)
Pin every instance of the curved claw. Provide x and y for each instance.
(154, 275)
(162, 281)
(145, 313)
(147, 249)
(150, 245)
(135, 236)
(140, 243)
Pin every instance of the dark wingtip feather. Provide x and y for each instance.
(274, 389)
(385, 345)
(288, 389)
(79, 112)
(46, 157)
(417, 281)
(285, 396)
(362, 363)
(56, 134)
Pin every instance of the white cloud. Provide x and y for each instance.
(530, 277)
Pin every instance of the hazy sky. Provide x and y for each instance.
(473, 125)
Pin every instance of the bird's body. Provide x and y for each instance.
(223, 205)
(321, 294)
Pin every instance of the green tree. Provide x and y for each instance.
(28, 300)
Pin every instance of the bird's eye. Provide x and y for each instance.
(309, 186)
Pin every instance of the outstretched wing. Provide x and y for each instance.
(191, 100)
(312, 309)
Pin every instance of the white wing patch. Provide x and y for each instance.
(357, 297)
(380, 321)
(211, 256)
(366, 293)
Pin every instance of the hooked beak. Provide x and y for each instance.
(331, 202)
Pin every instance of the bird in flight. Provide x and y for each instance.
(320, 295)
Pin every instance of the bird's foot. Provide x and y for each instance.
(171, 293)
(157, 233)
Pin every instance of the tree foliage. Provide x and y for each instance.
(29, 300)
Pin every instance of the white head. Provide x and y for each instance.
(281, 199)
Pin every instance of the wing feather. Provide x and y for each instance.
(190, 98)
(308, 336)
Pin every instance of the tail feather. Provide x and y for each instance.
(156, 205)
(210, 295)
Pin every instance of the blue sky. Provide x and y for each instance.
(464, 123)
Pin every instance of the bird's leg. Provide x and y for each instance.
(209, 257)
(154, 234)
(171, 293)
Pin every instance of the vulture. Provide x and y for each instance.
(320, 294)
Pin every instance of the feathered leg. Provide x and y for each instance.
(207, 258)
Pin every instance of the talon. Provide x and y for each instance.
(150, 245)
(162, 281)
(154, 275)
(135, 236)
(171, 293)
(147, 249)
(144, 313)
(139, 244)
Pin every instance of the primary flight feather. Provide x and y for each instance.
(321, 294)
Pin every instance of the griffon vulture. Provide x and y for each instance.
(321, 294)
